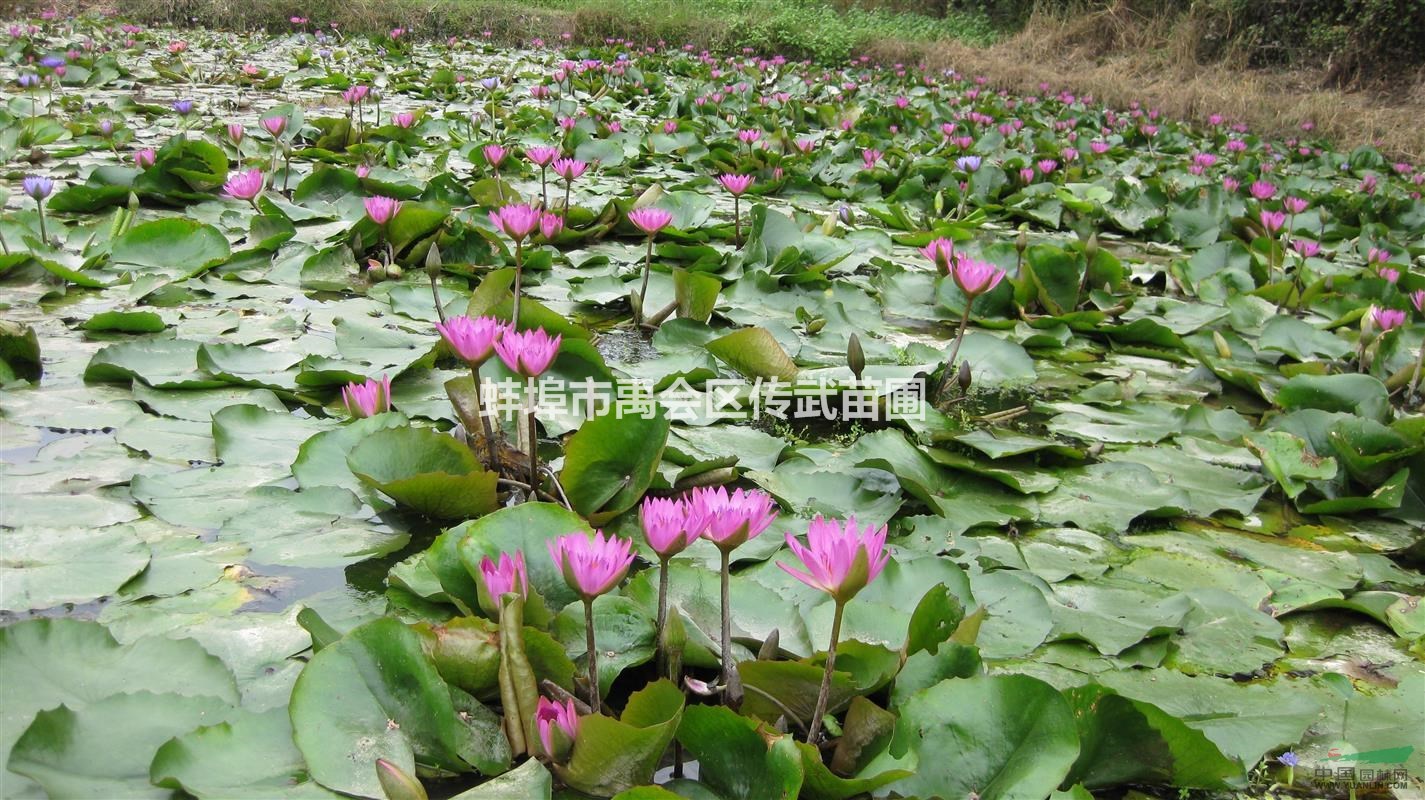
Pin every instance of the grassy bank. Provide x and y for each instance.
(1188, 62)
(796, 28)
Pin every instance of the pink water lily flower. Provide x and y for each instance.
(557, 725)
(733, 518)
(550, 225)
(975, 277)
(244, 185)
(367, 399)
(542, 156)
(472, 340)
(735, 184)
(1417, 299)
(839, 560)
(569, 168)
(274, 125)
(591, 565)
(1272, 221)
(405, 119)
(669, 525)
(528, 353)
(235, 131)
(1262, 190)
(650, 220)
(381, 209)
(494, 154)
(1385, 319)
(516, 220)
(145, 158)
(941, 252)
(505, 576)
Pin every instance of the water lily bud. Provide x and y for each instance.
(1330, 283)
(1223, 351)
(828, 225)
(1368, 326)
(396, 783)
(376, 272)
(855, 356)
(939, 204)
(433, 262)
(1091, 247)
(770, 646)
(635, 300)
(1021, 243)
(962, 376)
(816, 325)
(394, 272)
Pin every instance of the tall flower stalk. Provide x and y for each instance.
(529, 353)
(841, 561)
(37, 188)
(568, 169)
(974, 278)
(473, 341)
(516, 221)
(650, 221)
(591, 567)
(733, 519)
(542, 157)
(736, 185)
(381, 210)
(669, 526)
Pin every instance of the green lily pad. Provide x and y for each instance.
(44, 567)
(433, 474)
(612, 755)
(611, 460)
(375, 694)
(1002, 736)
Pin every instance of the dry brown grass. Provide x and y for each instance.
(1119, 56)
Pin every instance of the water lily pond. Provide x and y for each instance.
(966, 445)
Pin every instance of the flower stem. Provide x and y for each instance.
(568, 185)
(727, 668)
(519, 272)
(593, 655)
(960, 333)
(1419, 367)
(440, 312)
(533, 438)
(643, 289)
(40, 207)
(662, 644)
(490, 450)
(825, 692)
(543, 189)
(736, 221)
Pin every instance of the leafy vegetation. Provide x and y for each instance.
(1147, 516)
